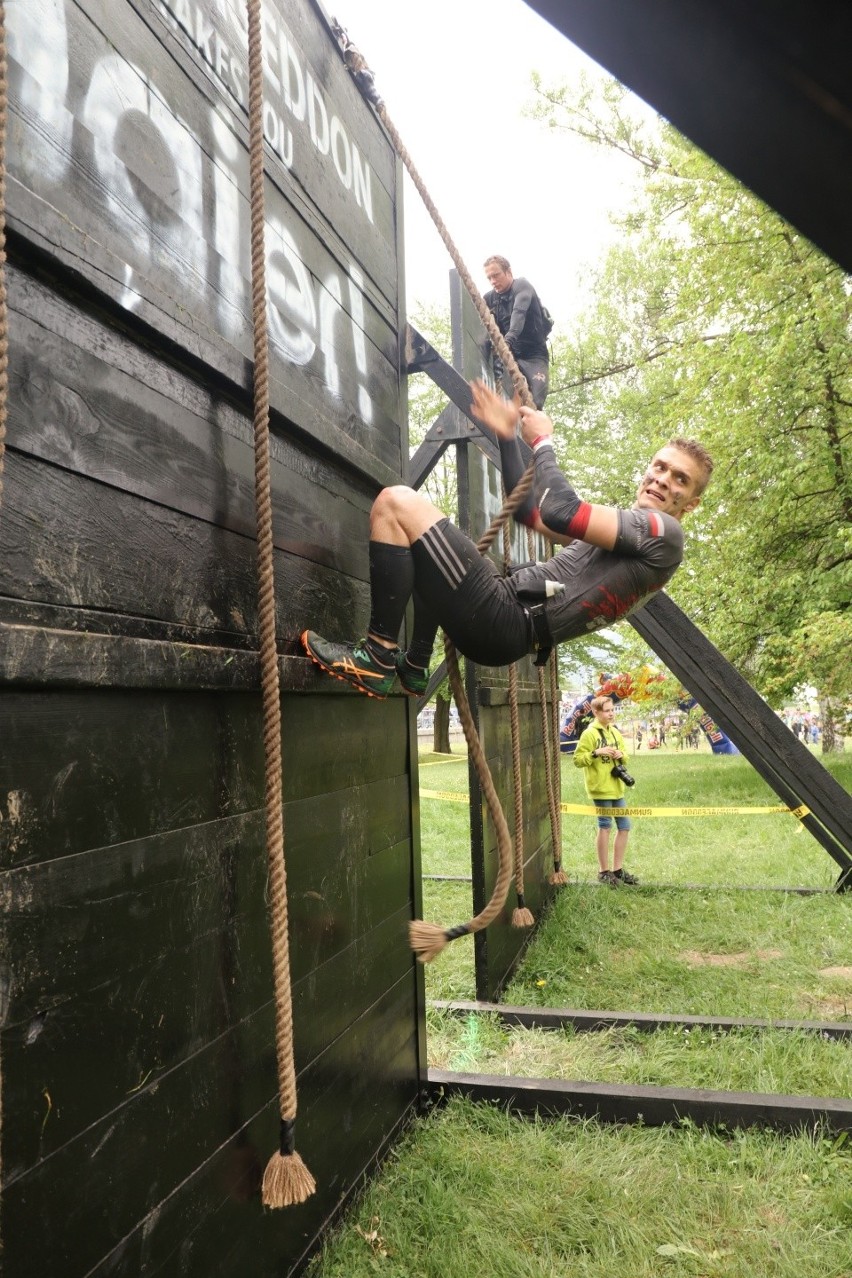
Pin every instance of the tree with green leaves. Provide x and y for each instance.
(713, 317)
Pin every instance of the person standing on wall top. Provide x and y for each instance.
(518, 314)
(599, 749)
(613, 561)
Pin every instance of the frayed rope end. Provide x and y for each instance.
(522, 917)
(286, 1181)
(429, 939)
(558, 878)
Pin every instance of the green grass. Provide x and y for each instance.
(471, 1190)
(775, 1061)
(771, 850)
(704, 953)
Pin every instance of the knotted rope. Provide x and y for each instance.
(429, 939)
(286, 1179)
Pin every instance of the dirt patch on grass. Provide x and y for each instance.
(698, 958)
(844, 973)
(828, 1009)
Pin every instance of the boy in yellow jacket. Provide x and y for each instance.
(599, 748)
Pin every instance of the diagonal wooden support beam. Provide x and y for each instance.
(784, 762)
(421, 357)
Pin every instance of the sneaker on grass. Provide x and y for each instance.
(354, 663)
(413, 679)
(621, 876)
(606, 877)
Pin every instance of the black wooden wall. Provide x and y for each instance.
(138, 1070)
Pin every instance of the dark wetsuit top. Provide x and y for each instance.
(481, 610)
(602, 586)
(517, 312)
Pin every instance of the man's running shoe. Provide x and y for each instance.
(622, 876)
(351, 662)
(413, 679)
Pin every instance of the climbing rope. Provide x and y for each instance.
(521, 915)
(286, 1179)
(429, 939)
(552, 778)
(4, 332)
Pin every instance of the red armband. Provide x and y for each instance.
(580, 522)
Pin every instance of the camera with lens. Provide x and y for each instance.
(619, 770)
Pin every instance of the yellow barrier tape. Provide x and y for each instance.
(586, 809)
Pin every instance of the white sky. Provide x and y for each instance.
(455, 76)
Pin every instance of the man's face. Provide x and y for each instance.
(497, 277)
(671, 483)
(606, 714)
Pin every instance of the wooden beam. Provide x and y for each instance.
(771, 748)
(423, 358)
(651, 1106)
(587, 1020)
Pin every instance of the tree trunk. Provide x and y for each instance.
(832, 741)
(441, 728)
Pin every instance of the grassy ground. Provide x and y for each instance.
(730, 849)
(471, 1190)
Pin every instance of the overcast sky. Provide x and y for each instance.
(455, 76)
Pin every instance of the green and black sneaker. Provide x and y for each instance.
(413, 679)
(351, 662)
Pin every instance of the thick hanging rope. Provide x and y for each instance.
(552, 777)
(429, 939)
(522, 916)
(559, 876)
(363, 77)
(286, 1179)
(4, 329)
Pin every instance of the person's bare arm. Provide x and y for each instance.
(556, 511)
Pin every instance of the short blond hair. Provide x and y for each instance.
(502, 262)
(598, 703)
(698, 453)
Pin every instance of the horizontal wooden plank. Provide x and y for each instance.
(82, 771)
(102, 549)
(37, 656)
(98, 1037)
(144, 1153)
(75, 924)
(339, 1140)
(149, 204)
(89, 400)
(651, 1106)
(304, 76)
(587, 1021)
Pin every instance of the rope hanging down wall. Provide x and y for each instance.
(429, 939)
(286, 1179)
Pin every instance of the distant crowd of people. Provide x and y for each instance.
(804, 727)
